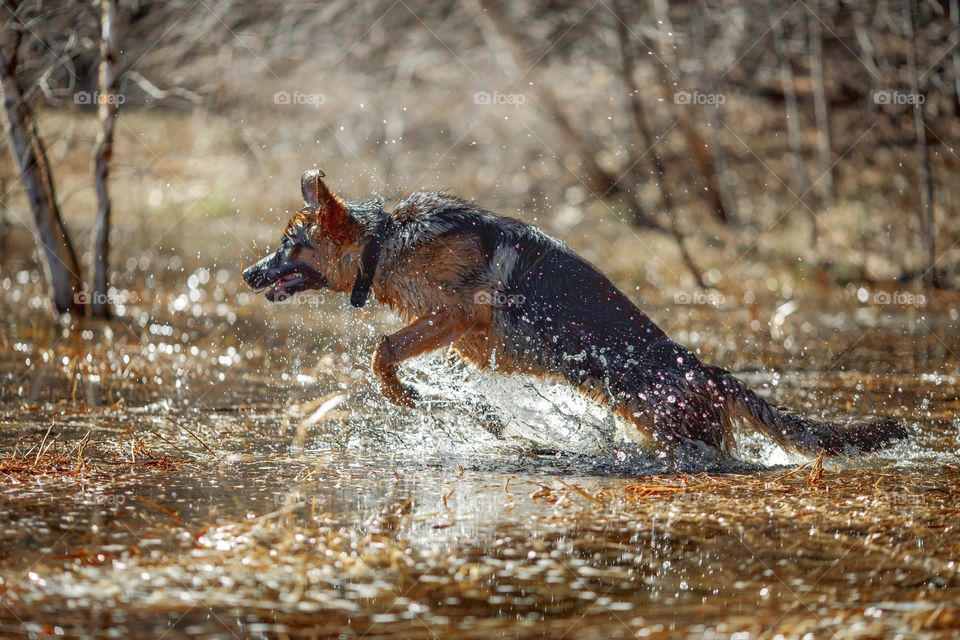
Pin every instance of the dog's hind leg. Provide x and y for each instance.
(427, 333)
(682, 420)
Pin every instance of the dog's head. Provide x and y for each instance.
(320, 248)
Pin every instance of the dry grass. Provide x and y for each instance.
(42, 460)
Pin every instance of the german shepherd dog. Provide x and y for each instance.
(505, 296)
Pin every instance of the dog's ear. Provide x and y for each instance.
(332, 213)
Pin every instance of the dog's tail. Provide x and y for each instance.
(807, 435)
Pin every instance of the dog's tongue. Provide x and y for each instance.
(282, 280)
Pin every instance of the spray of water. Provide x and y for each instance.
(464, 412)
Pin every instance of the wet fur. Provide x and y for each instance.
(555, 315)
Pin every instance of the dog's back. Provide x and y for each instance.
(556, 314)
(555, 310)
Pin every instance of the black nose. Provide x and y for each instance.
(250, 275)
(257, 276)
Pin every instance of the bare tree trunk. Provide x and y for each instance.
(926, 173)
(955, 24)
(647, 140)
(103, 151)
(4, 196)
(724, 187)
(699, 151)
(861, 28)
(793, 122)
(820, 109)
(30, 158)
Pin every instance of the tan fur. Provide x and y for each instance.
(427, 288)
(339, 261)
(431, 278)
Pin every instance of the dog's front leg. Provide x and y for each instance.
(426, 334)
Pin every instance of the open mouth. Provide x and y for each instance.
(279, 279)
(286, 285)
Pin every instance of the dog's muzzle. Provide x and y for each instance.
(280, 278)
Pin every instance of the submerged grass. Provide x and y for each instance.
(856, 554)
(41, 460)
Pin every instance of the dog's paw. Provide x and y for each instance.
(401, 394)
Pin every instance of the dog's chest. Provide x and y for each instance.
(430, 277)
(413, 296)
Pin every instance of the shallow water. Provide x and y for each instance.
(178, 474)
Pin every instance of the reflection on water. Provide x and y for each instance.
(178, 473)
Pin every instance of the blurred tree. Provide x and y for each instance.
(700, 152)
(108, 103)
(647, 140)
(792, 112)
(4, 222)
(722, 184)
(30, 157)
(821, 109)
(955, 28)
(927, 226)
